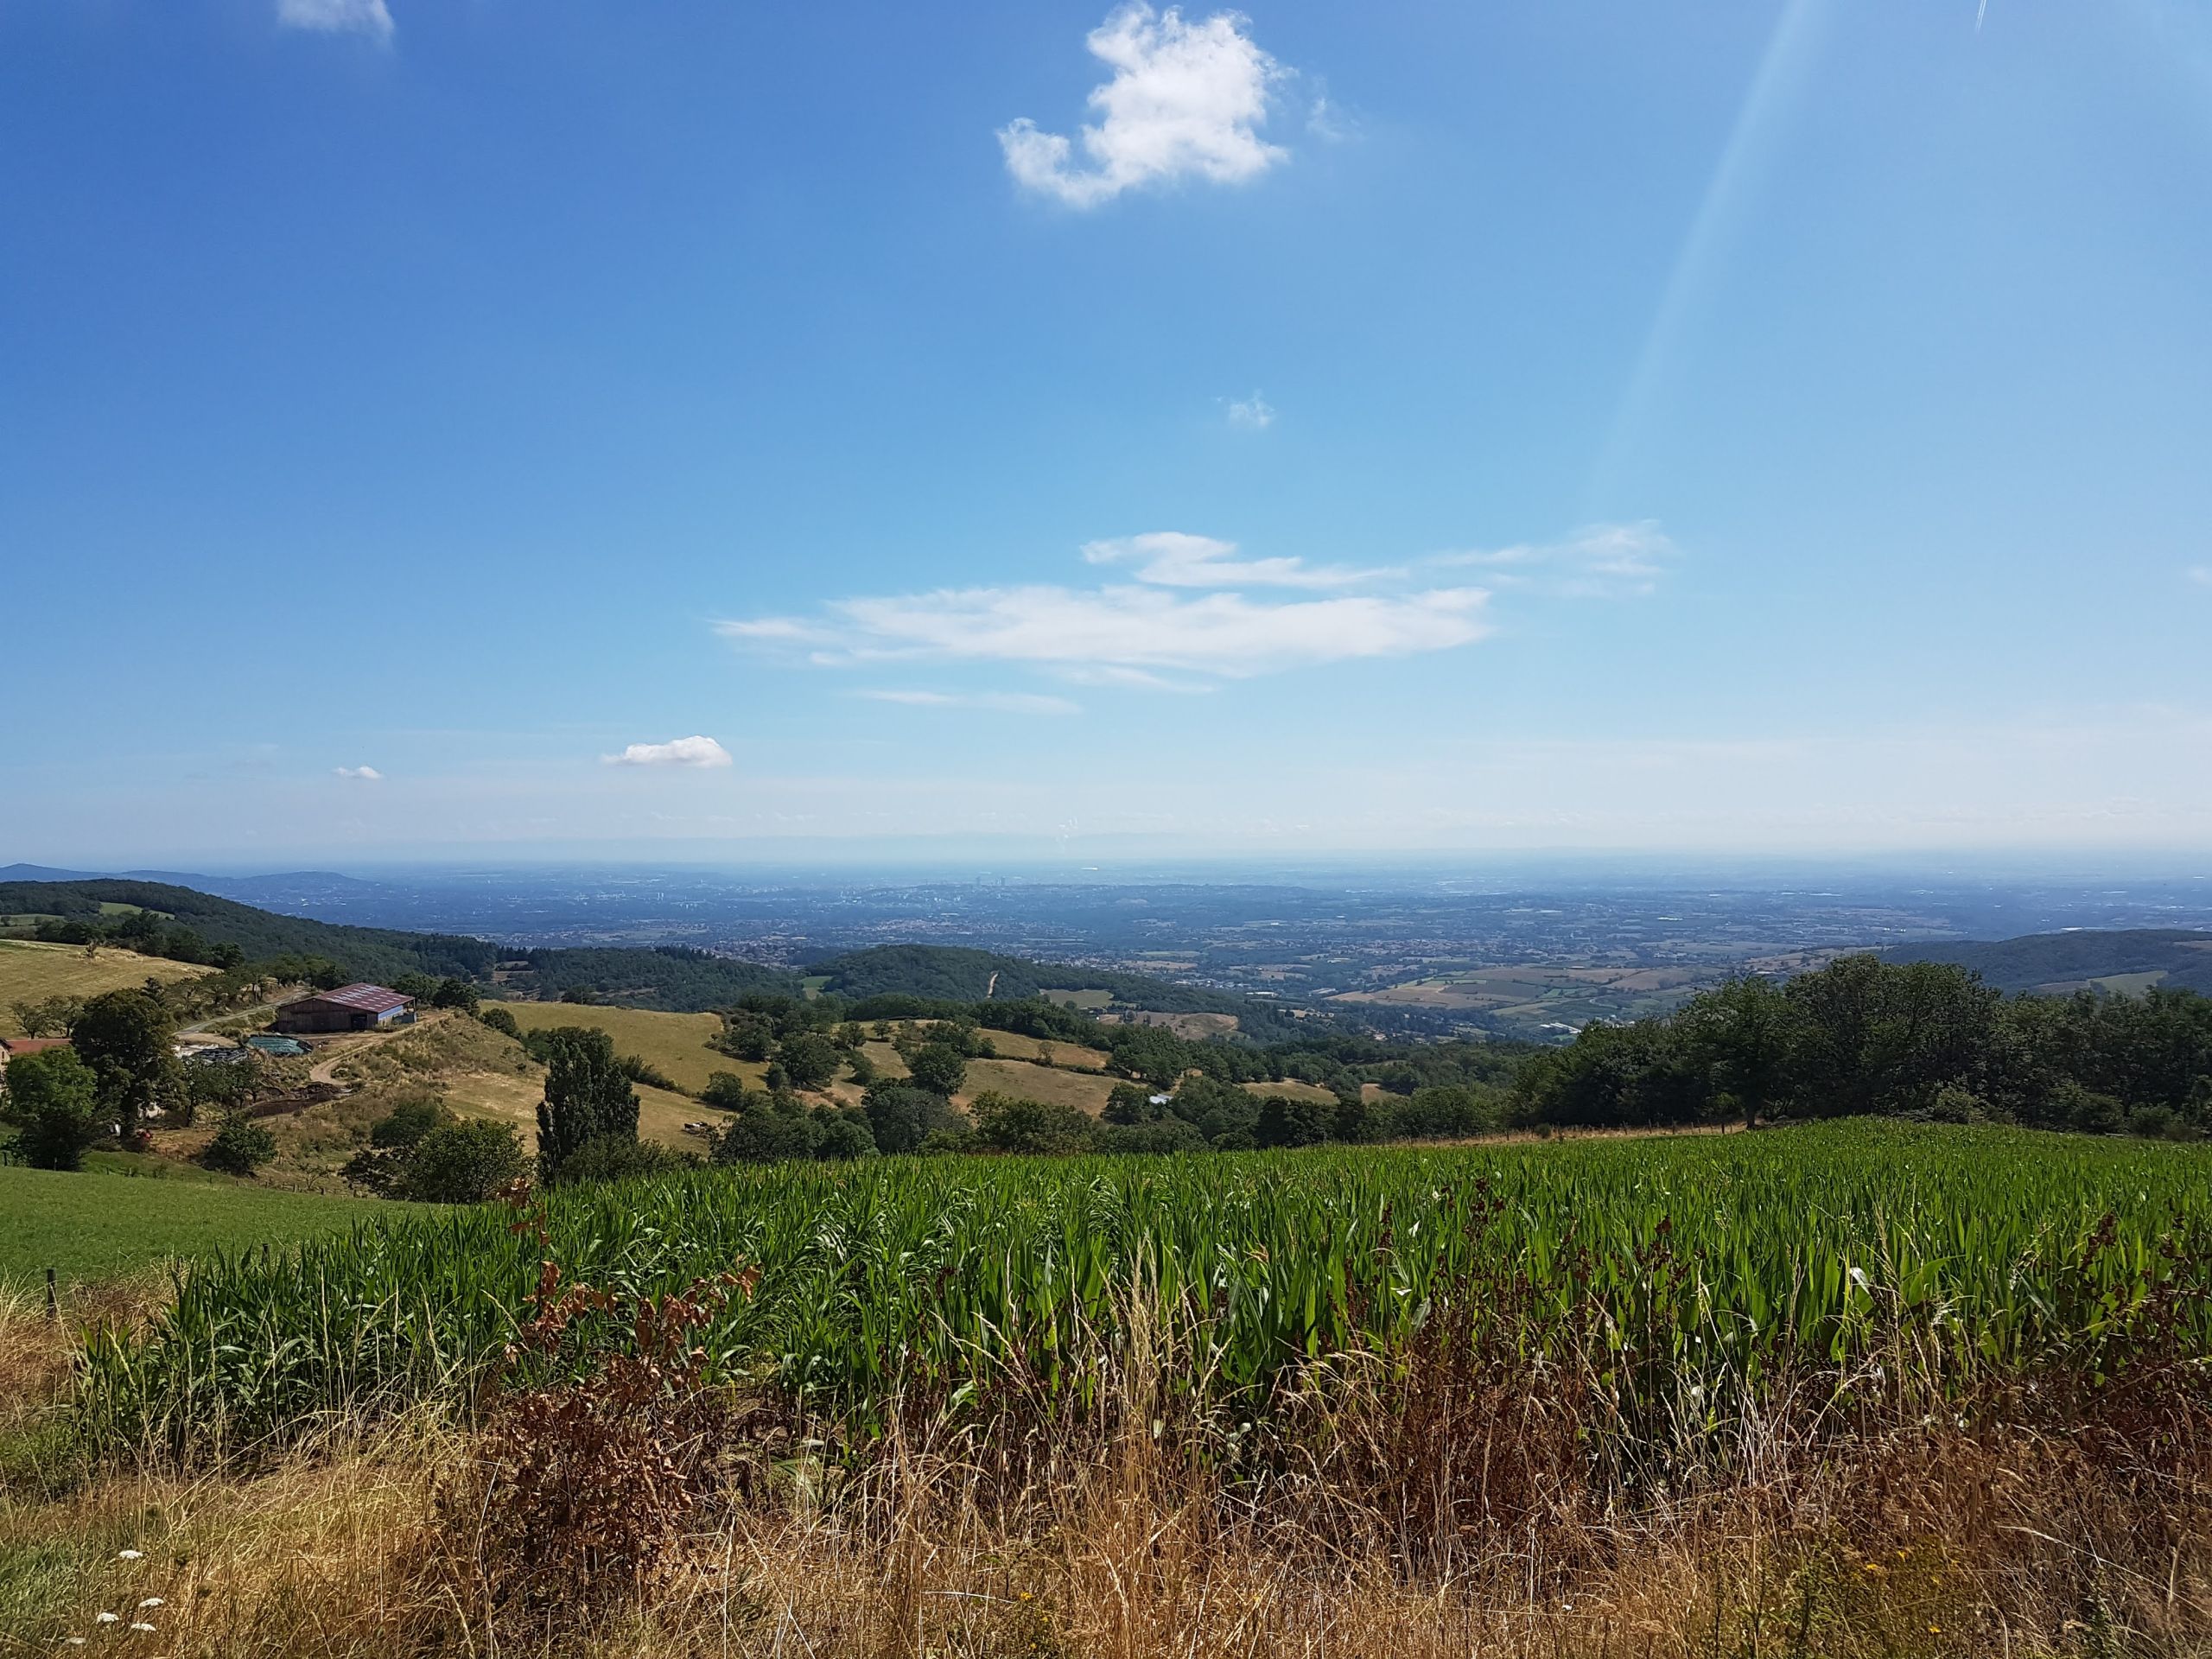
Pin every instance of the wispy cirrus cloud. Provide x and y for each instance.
(1598, 562)
(1002, 702)
(369, 17)
(1173, 558)
(1187, 100)
(1192, 613)
(679, 751)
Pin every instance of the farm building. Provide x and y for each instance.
(350, 1007)
(14, 1047)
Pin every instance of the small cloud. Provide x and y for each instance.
(1186, 100)
(1004, 702)
(2201, 575)
(682, 751)
(1327, 120)
(337, 17)
(1598, 561)
(1253, 414)
(360, 774)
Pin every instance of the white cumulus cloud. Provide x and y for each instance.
(681, 751)
(337, 17)
(1598, 562)
(1187, 100)
(361, 774)
(1253, 414)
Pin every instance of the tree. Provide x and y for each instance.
(55, 1096)
(1006, 1124)
(845, 1137)
(126, 1038)
(901, 1117)
(454, 994)
(770, 1129)
(1130, 1103)
(461, 1163)
(939, 1068)
(809, 1060)
(48, 1015)
(1744, 1035)
(588, 1095)
(499, 1019)
(1284, 1121)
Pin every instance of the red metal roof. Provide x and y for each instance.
(32, 1045)
(372, 999)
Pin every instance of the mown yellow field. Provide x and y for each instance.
(1075, 1057)
(31, 972)
(1086, 1090)
(674, 1044)
(1295, 1090)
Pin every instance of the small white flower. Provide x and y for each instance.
(153, 1601)
(73, 1641)
(142, 1625)
(130, 1555)
(107, 1618)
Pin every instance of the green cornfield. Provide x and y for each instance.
(1682, 1276)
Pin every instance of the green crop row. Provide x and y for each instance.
(1670, 1270)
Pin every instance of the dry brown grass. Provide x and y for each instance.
(1451, 1518)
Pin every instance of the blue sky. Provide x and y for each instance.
(706, 429)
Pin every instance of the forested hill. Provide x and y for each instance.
(2059, 963)
(194, 926)
(951, 974)
(373, 953)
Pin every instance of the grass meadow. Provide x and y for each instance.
(99, 1225)
(674, 1044)
(31, 972)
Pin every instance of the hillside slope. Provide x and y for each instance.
(2175, 958)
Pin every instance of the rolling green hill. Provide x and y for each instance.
(670, 977)
(2174, 958)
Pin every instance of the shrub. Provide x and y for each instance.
(613, 1158)
(461, 1163)
(407, 1122)
(1164, 1135)
(240, 1147)
(499, 1019)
